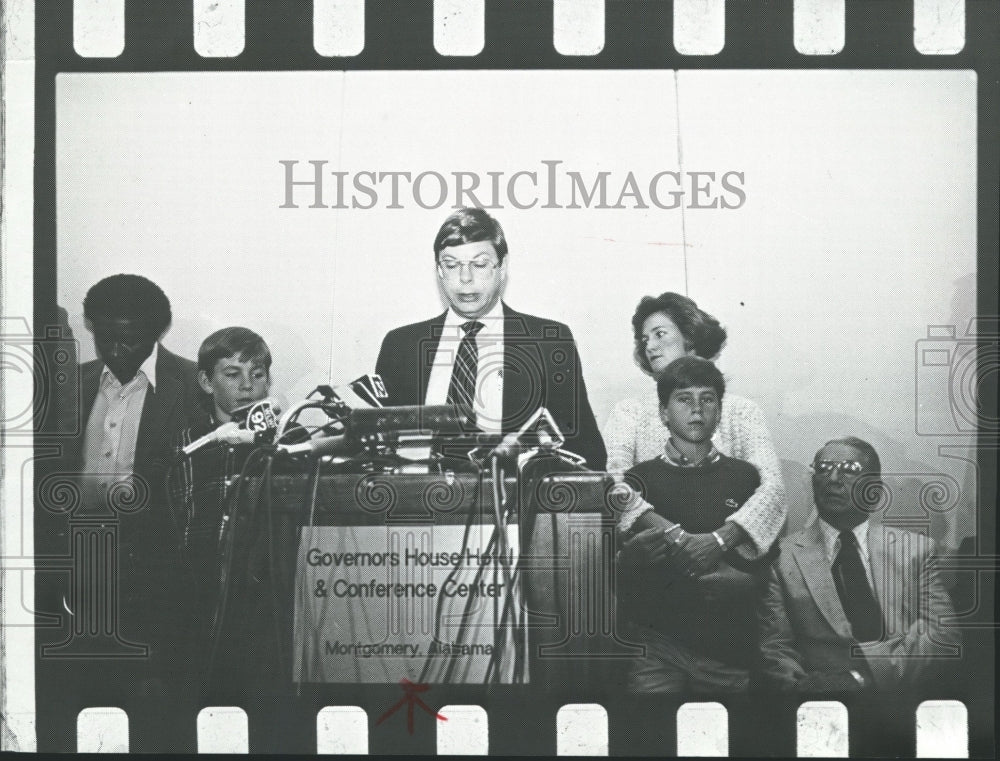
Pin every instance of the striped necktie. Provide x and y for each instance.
(462, 388)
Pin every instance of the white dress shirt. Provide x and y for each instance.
(113, 425)
(488, 402)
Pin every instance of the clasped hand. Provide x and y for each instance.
(691, 555)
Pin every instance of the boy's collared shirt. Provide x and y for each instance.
(674, 456)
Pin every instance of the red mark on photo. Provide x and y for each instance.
(410, 699)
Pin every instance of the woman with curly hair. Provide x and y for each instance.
(667, 327)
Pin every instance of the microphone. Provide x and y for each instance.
(249, 422)
(325, 445)
(370, 389)
(444, 418)
(229, 433)
(360, 393)
(337, 402)
(242, 414)
(262, 417)
(545, 436)
(509, 446)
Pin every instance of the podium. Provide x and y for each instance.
(381, 561)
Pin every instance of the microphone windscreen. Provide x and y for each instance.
(261, 417)
(242, 414)
(371, 389)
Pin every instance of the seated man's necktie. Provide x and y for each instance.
(856, 596)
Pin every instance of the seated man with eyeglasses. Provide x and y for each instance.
(851, 603)
(497, 364)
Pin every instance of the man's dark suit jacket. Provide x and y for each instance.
(153, 589)
(174, 405)
(541, 369)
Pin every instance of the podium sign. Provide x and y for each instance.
(374, 604)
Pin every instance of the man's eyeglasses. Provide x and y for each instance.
(851, 467)
(481, 267)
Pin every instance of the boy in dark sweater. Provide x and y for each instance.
(696, 623)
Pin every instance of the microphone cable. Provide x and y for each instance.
(498, 640)
(272, 567)
(172, 505)
(528, 513)
(227, 542)
(492, 546)
(511, 600)
(512, 616)
(466, 615)
(439, 605)
(369, 631)
(303, 596)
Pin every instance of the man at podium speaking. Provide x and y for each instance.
(497, 364)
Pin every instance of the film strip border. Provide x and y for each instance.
(578, 26)
(386, 34)
(702, 729)
(421, 34)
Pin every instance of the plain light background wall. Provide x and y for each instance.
(858, 231)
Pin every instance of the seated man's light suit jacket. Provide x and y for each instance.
(803, 627)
